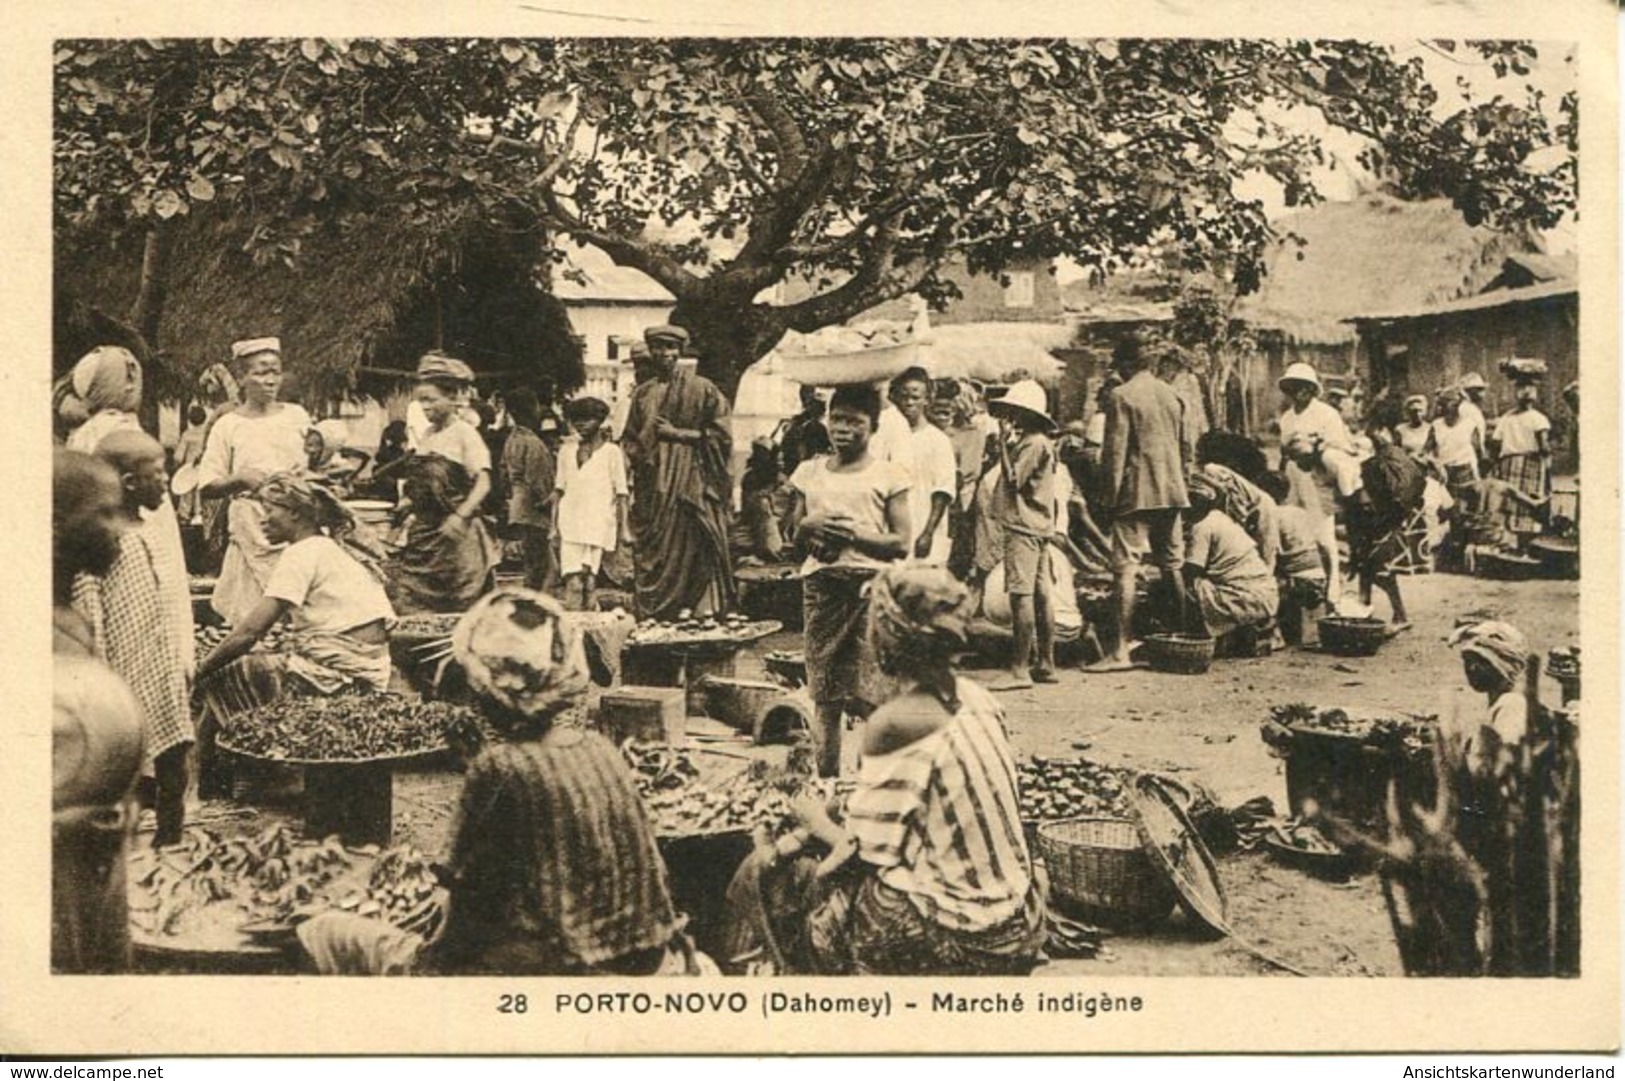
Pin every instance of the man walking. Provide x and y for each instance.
(1146, 455)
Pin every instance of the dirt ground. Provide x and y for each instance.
(1207, 728)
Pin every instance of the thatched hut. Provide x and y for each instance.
(354, 307)
(1339, 260)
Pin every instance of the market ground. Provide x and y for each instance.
(1207, 728)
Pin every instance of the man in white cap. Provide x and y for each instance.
(677, 442)
(1473, 389)
(1147, 453)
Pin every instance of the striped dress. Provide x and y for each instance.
(940, 820)
(555, 862)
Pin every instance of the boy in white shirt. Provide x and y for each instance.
(590, 515)
(927, 456)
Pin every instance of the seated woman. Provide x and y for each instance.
(938, 879)
(330, 588)
(1234, 590)
(447, 557)
(553, 868)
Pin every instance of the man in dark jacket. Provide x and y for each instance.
(1147, 453)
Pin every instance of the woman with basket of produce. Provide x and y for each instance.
(1224, 572)
(553, 868)
(332, 590)
(942, 882)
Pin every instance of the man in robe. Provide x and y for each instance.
(677, 443)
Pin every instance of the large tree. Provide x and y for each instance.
(854, 167)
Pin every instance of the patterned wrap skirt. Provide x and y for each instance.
(1527, 473)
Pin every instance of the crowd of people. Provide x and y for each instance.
(915, 513)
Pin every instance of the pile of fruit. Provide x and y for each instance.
(1305, 837)
(344, 728)
(681, 804)
(1054, 788)
(207, 638)
(1413, 733)
(688, 627)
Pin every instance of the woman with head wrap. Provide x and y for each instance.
(1223, 570)
(1493, 657)
(329, 586)
(1523, 449)
(942, 882)
(326, 456)
(258, 439)
(553, 868)
(433, 570)
(1249, 506)
(106, 386)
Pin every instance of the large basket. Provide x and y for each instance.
(1559, 556)
(1181, 653)
(1506, 566)
(1096, 866)
(1346, 636)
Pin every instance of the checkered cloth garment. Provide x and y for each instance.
(133, 634)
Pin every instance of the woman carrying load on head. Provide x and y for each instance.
(552, 869)
(936, 877)
(261, 437)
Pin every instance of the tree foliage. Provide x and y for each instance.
(852, 168)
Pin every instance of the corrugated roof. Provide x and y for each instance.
(1483, 301)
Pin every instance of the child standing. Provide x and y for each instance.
(125, 610)
(1391, 490)
(532, 474)
(1025, 505)
(590, 516)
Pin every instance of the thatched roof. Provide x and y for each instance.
(365, 294)
(1124, 297)
(1371, 254)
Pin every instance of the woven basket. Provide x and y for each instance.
(1096, 865)
(1179, 653)
(1559, 556)
(1345, 636)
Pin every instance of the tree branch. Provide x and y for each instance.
(624, 252)
(875, 283)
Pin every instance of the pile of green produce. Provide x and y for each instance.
(404, 889)
(270, 875)
(427, 625)
(344, 728)
(1054, 788)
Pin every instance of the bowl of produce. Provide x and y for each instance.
(1300, 844)
(1186, 654)
(1348, 636)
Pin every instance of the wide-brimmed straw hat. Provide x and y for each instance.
(1300, 373)
(1024, 397)
(1473, 381)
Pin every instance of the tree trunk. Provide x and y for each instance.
(147, 315)
(727, 336)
